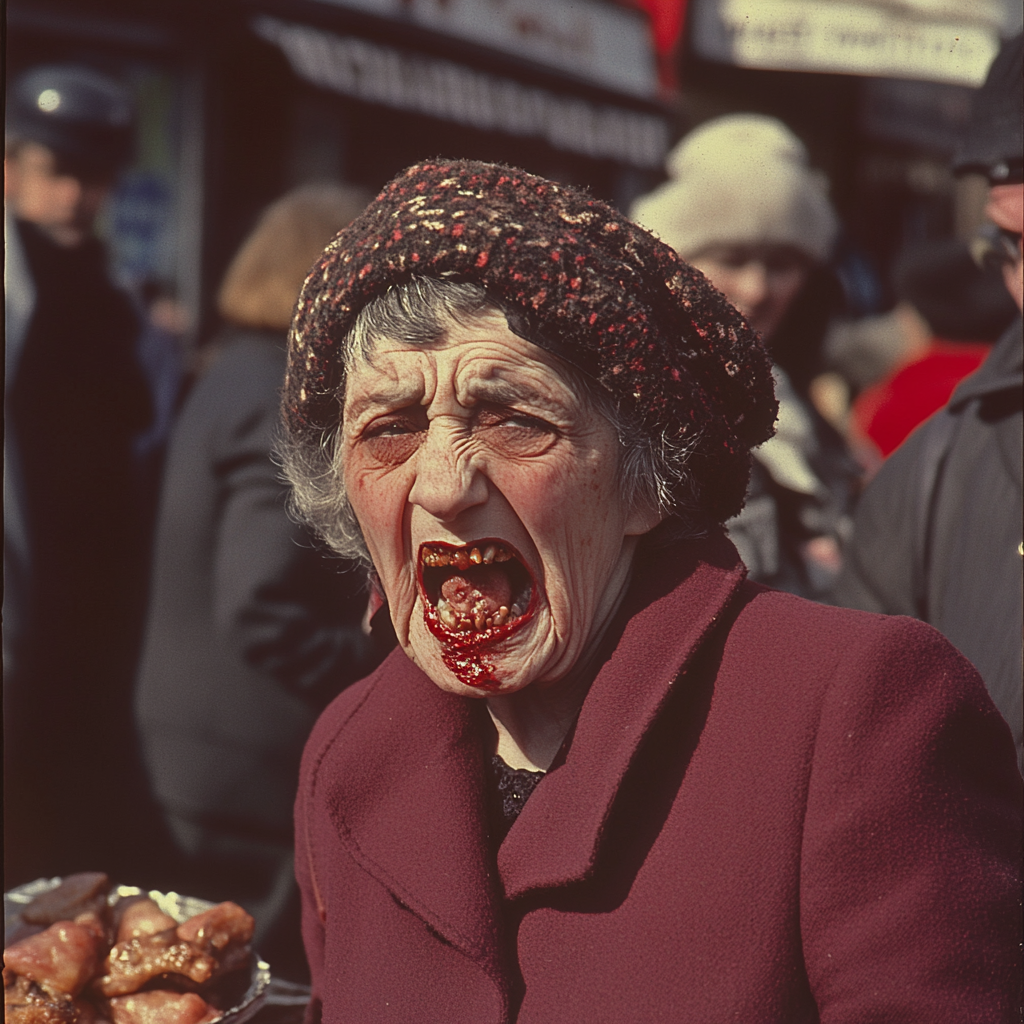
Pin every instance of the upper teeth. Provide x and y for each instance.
(463, 558)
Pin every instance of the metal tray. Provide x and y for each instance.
(181, 908)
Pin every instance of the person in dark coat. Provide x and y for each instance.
(252, 629)
(938, 533)
(605, 777)
(76, 520)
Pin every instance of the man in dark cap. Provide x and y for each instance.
(74, 547)
(938, 532)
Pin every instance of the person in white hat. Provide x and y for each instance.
(743, 205)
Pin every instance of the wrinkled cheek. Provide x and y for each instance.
(583, 521)
(378, 506)
(546, 502)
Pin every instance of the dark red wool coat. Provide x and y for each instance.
(770, 811)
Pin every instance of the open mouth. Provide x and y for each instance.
(477, 590)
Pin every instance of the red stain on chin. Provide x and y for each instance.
(461, 652)
(470, 668)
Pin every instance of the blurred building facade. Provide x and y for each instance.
(240, 100)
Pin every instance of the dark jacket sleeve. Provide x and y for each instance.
(910, 862)
(288, 608)
(883, 562)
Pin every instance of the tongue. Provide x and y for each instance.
(484, 588)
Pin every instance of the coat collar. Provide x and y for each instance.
(670, 607)
(406, 788)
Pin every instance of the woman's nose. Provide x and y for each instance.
(447, 480)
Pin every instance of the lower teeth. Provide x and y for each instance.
(478, 620)
(446, 614)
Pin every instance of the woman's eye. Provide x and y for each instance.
(515, 433)
(391, 430)
(526, 422)
(392, 440)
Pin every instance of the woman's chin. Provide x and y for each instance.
(473, 666)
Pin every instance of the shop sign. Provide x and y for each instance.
(844, 38)
(415, 82)
(590, 39)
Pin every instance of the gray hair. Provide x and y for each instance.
(420, 312)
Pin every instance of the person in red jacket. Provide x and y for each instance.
(604, 776)
(954, 312)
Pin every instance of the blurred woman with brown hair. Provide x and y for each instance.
(251, 630)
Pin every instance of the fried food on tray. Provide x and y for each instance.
(162, 1007)
(131, 964)
(217, 928)
(60, 960)
(224, 931)
(72, 974)
(26, 1003)
(141, 917)
(76, 894)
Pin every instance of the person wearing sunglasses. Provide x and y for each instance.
(938, 534)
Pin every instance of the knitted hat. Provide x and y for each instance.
(743, 179)
(588, 285)
(994, 143)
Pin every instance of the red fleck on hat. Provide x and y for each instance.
(590, 286)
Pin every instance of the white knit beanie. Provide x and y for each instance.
(741, 179)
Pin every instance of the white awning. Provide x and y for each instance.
(928, 40)
(454, 92)
(593, 40)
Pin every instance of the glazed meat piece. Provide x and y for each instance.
(132, 963)
(26, 1003)
(142, 917)
(224, 931)
(161, 1007)
(215, 929)
(60, 959)
(77, 894)
(98, 924)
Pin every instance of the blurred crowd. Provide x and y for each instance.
(170, 632)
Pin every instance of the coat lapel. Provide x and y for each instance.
(670, 607)
(406, 796)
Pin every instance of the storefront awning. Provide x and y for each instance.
(594, 41)
(421, 83)
(928, 40)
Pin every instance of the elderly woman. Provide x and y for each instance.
(604, 777)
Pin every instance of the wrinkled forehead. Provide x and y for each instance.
(480, 357)
(365, 347)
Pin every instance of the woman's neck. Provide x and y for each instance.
(532, 723)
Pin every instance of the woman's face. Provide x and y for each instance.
(761, 281)
(488, 493)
